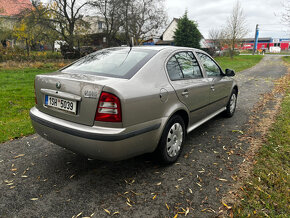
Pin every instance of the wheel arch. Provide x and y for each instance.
(184, 115)
(236, 88)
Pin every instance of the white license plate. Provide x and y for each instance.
(61, 104)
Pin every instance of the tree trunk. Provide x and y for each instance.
(27, 47)
(52, 47)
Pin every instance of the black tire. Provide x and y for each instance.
(229, 112)
(163, 152)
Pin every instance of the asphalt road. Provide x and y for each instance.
(40, 179)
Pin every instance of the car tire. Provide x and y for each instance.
(172, 140)
(231, 106)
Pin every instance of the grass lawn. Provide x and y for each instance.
(266, 194)
(239, 63)
(16, 98)
(286, 59)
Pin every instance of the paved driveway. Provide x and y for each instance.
(39, 179)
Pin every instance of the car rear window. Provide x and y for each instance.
(112, 62)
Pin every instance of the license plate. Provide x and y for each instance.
(61, 104)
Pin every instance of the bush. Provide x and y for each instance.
(69, 53)
(18, 54)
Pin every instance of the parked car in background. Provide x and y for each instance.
(121, 102)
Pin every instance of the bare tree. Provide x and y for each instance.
(286, 13)
(110, 10)
(147, 18)
(143, 18)
(62, 16)
(235, 27)
(132, 18)
(215, 35)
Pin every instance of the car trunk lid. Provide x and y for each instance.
(59, 92)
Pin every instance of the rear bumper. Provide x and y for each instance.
(98, 142)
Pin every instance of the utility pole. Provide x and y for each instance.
(256, 39)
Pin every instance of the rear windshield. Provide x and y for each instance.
(112, 62)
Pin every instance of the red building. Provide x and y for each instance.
(265, 43)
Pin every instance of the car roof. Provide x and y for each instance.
(162, 47)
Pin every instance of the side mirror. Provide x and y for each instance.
(230, 72)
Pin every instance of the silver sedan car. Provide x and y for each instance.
(121, 102)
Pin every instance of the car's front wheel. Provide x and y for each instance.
(172, 139)
(231, 106)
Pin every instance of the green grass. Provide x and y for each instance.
(286, 59)
(267, 191)
(239, 63)
(16, 98)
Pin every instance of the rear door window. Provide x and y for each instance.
(183, 65)
(174, 69)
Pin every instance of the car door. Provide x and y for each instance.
(220, 85)
(189, 83)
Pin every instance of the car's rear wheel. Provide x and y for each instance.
(231, 106)
(172, 139)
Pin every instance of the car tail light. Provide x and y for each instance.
(35, 93)
(109, 108)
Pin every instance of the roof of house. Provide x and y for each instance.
(13, 7)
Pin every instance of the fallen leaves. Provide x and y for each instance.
(129, 181)
(130, 205)
(186, 212)
(79, 214)
(238, 131)
(228, 207)
(8, 181)
(223, 180)
(18, 156)
(107, 211)
(72, 176)
(33, 199)
(208, 210)
(202, 170)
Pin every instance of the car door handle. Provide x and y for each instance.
(185, 92)
(212, 87)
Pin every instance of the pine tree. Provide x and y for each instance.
(187, 33)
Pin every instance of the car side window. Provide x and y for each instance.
(183, 65)
(173, 69)
(211, 68)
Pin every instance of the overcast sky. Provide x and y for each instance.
(214, 13)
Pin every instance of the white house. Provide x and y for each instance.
(169, 31)
(97, 24)
(168, 35)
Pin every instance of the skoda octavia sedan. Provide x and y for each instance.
(121, 102)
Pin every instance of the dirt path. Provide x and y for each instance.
(38, 178)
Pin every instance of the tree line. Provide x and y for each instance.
(64, 20)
